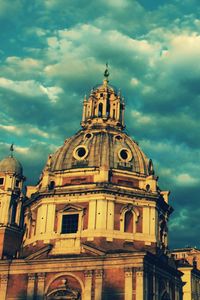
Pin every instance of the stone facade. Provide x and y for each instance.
(95, 226)
(188, 262)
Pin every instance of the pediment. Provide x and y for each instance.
(39, 253)
(92, 249)
(195, 251)
(71, 208)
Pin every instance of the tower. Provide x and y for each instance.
(96, 223)
(11, 185)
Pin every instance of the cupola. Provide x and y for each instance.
(104, 107)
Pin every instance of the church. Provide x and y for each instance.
(95, 227)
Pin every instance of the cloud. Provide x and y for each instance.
(30, 88)
(186, 180)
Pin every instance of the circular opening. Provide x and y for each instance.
(124, 154)
(88, 135)
(81, 152)
(118, 137)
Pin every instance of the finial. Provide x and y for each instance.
(106, 72)
(11, 150)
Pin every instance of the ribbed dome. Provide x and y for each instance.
(107, 148)
(11, 164)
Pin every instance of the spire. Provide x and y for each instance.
(106, 75)
(11, 150)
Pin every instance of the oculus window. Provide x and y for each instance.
(70, 223)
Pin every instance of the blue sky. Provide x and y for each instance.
(53, 52)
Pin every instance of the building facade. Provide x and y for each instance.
(95, 226)
(188, 262)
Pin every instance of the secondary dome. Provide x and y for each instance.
(11, 164)
(108, 148)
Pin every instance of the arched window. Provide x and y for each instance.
(129, 218)
(128, 221)
(100, 111)
(108, 108)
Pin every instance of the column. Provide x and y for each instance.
(3, 286)
(139, 284)
(98, 284)
(40, 286)
(31, 286)
(88, 285)
(128, 283)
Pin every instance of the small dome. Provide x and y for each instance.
(11, 164)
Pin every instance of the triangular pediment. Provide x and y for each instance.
(40, 253)
(71, 208)
(92, 249)
(195, 251)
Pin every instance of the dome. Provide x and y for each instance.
(105, 86)
(108, 148)
(11, 164)
(102, 143)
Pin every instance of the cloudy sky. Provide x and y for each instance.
(53, 51)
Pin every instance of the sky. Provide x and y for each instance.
(52, 52)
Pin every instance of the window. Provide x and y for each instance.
(70, 223)
(100, 112)
(108, 108)
(125, 155)
(51, 185)
(1, 181)
(129, 218)
(80, 152)
(128, 221)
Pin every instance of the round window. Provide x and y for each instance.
(88, 135)
(118, 137)
(80, 152)
(125, 154)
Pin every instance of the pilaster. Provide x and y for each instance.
(98, 284)
(3, 286)
(31, 286)
(139, 283)
(40, 286)
(128, 283)
(88, 285)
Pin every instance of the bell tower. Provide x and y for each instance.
(11, 197)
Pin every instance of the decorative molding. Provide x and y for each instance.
(4, 278)
(41, 276)
(128, 272)
(98, 273)
(31, 277)
(88, 273)
(139, 270)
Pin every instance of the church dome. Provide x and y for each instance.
(108, 148)
(102, 142)
(11, 164)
